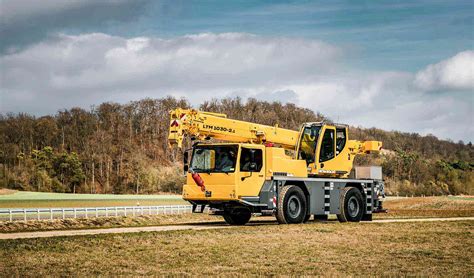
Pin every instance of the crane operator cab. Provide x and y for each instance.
(327, 149)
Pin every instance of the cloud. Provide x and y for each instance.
(97, 67)
(390, 101)
(82, 70)
(455, 73)
(28, 21)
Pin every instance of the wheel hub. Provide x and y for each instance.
(353, 206)
(294, 206)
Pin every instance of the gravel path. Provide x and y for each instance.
(204, 226)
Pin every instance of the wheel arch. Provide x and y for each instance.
(301, 185)
(304, 188)
(358, 186)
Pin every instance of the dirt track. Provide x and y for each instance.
(203, 226)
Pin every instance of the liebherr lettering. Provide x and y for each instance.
(219, 128)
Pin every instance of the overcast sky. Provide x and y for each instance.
(394, 65)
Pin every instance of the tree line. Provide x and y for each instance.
(122, 148)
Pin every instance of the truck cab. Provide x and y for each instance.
(231, 172)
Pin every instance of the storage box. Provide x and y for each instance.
(368, 172)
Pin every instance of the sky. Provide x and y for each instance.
(394, 65)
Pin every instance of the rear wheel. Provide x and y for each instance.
(237, 216)
(291, 205)
(352, 205)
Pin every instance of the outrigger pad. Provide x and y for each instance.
(198, 208)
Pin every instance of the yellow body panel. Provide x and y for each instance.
(278, 162)
(222, 186)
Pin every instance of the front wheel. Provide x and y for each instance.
(352, 205)
(291, 205)
(237, 217)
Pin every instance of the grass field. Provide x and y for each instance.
(397, 208)
(426, 249)
(24, 199)
(263, 248)
(443, 206)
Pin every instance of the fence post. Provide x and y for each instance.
(133, 208)
(116, 213)
(86, 214)
(75, 213)
(38, 211)
(11, 216)
(24, 215)
(125, 211)
(96, 212)
(51, 214)
(63, 214)
(106, 212)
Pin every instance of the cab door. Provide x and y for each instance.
(326, 152)
(251, 171)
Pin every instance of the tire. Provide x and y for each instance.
(351, 205)
(291, 207)
(237, 217)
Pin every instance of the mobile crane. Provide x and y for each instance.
(270, 170)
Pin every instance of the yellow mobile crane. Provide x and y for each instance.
(275, 171)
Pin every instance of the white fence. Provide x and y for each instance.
(64, 213)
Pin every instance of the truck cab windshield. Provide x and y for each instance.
(214, 159)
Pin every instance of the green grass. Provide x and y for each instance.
(24, 199)
(328, 249)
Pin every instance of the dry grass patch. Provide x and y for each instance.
(104, 222)
(6, 191)
(426, 249)
(428, 207)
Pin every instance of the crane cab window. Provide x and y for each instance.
(340, 139)
(246, 160)
(309, 139)
(327, 146)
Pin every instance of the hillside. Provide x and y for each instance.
(122, 148)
